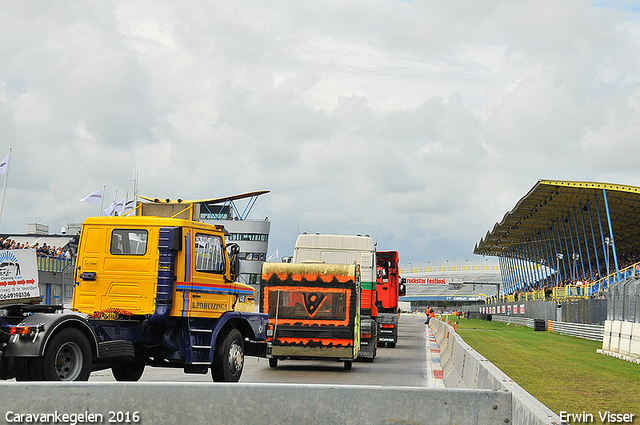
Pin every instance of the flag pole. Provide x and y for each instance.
(102, 198)
(4, 186)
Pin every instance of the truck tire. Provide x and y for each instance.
(67, 357)
(348, 364)
(21, 368)
(7, 368)
(129, 372)
(228, 361)
(273, 362)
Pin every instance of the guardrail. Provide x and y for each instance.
(521, 321)
(580, 330)
(241, 404)
(463, 367)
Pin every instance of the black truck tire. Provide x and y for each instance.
(129, 372)
(273, 362)
(7, 368)
(228, 360)
(67, 357)
(21, 368)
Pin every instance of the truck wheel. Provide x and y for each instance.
(348, 364)
(7, 368)
(67, 357)
(273, 362)
(129, 372)
(21, 367)
(229, 358)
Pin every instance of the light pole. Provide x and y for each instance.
(559, 257)
(608, 242)
(575, 257)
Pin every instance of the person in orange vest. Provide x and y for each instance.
(430, 315)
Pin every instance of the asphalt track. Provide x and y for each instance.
(414, 362)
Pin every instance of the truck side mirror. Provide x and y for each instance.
(235, 267)
(234, 261)
(402, 290)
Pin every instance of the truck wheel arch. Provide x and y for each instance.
(234, 321)
(53, 323)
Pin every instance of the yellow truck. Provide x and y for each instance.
(314, 311)
(154, 291)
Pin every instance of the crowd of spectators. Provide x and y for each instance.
(579, 279)
(44, 249)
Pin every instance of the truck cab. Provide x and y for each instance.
(119, 264)
(389, 288)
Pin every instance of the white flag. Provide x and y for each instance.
(119, 207)
(4, 165)
(94, 197)
(111, 208)
(274, 255)
(129, 206)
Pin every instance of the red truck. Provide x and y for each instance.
(389, 287)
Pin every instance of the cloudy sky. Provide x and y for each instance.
(420, 123)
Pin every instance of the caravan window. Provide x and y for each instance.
(308, 304)
(128, 242)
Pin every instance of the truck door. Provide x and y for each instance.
(210, 295)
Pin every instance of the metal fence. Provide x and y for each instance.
(590, 311)
(623, 301)
(52, 264)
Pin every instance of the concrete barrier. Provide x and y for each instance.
(606, 337)
(212, 403)
(621, 340)
(625, 338)
(635, 339)
(466, 368)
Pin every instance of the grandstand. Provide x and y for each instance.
(566, 237)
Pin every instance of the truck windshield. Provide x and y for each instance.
(299, 304)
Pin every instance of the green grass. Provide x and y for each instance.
(563, 372)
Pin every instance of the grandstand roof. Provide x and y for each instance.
(567, 205)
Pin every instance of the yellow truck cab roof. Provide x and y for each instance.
(150, 221)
